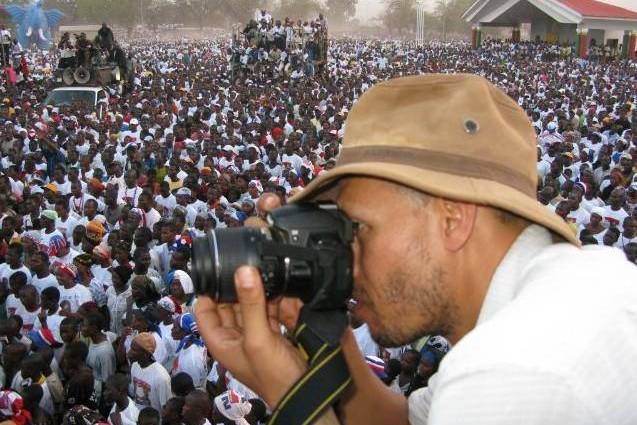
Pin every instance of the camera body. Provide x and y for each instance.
(305, 252)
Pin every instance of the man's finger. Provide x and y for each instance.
(226, 315)
(252, 302)
(206, 316)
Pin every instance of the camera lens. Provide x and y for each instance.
(216, 256)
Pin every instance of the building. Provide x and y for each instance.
(580, 22)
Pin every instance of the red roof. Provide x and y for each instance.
(598, 9)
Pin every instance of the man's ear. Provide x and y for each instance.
(458, 221)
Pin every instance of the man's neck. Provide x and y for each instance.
(43, 273)
(475, 270)
(145, 363)
(122, 403)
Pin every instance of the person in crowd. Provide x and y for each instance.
(150, 382)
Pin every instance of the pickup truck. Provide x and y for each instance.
(89, 95)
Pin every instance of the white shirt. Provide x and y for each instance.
(150, 386)
(168, 204)
(128, 416)
(537, 354)
(76, 296)
(193, 361)
(42, 283)
(365, 342)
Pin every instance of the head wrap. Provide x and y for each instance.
(102, 252)
(185, 281)
(12, 406)
(56, 244)
(188, 324)
(232, 406)
(167, 304)
(67, 269)
(50, 214)
(84, 259)
(146, 341)
(95, 231)
(81, 415)
(44, 338)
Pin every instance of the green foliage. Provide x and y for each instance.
(341, 11)
(297, 9)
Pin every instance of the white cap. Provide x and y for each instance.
(228, 148)
(551, 126)
(184, 191)
(134, 121)
(598, 210)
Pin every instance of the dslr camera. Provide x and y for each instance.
(305, 252)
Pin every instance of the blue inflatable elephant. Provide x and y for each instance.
(34, 23)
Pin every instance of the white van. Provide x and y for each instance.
(89, 95)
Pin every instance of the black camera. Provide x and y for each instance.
(304, 253)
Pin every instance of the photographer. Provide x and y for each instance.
(459, 247)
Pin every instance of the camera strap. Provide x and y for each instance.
(327, 376)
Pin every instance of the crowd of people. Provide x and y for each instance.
(97, 216)
(280, 49)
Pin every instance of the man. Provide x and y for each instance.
(52, 239)
(614, 213)
(29, 308)
(196, 410)
(150, 383)
(66, 223)
(42, 277)
(49, 316)
(72, 295)
(101, 355)
(13, 263)
(149, 215)
(124, 411)
(472, 256)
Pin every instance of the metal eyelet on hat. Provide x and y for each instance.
(471, 126)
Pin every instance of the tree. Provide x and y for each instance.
(449, 14)
(341, 11)
(400, 15)
(297, 9)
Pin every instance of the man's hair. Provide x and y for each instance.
(182, 384)
(70, 321)
(16, 246)
(95, 318)
(148, 414)
(52, 293)
(119, 381)
(76, 350)
(43, 256)
(19, 278)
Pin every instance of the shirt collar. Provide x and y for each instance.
(505, 283)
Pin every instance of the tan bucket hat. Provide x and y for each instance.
(453, 136)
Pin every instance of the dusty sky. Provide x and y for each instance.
(368, 9)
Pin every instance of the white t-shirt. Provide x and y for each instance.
(150, 218)
(615, 218)
(541, 298)
(168, 203)
(13, 304)
(66, 227)
(6, 272)
(76, 296)
(53, 322)
(150, 386)
(28, 318)
(45, 282)
(128, 416)
(193, 361)
(365, 342)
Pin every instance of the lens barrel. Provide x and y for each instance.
(217, 255)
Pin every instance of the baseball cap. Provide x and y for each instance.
(461, 116)
(134, 121)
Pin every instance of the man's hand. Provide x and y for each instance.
(246, 337)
